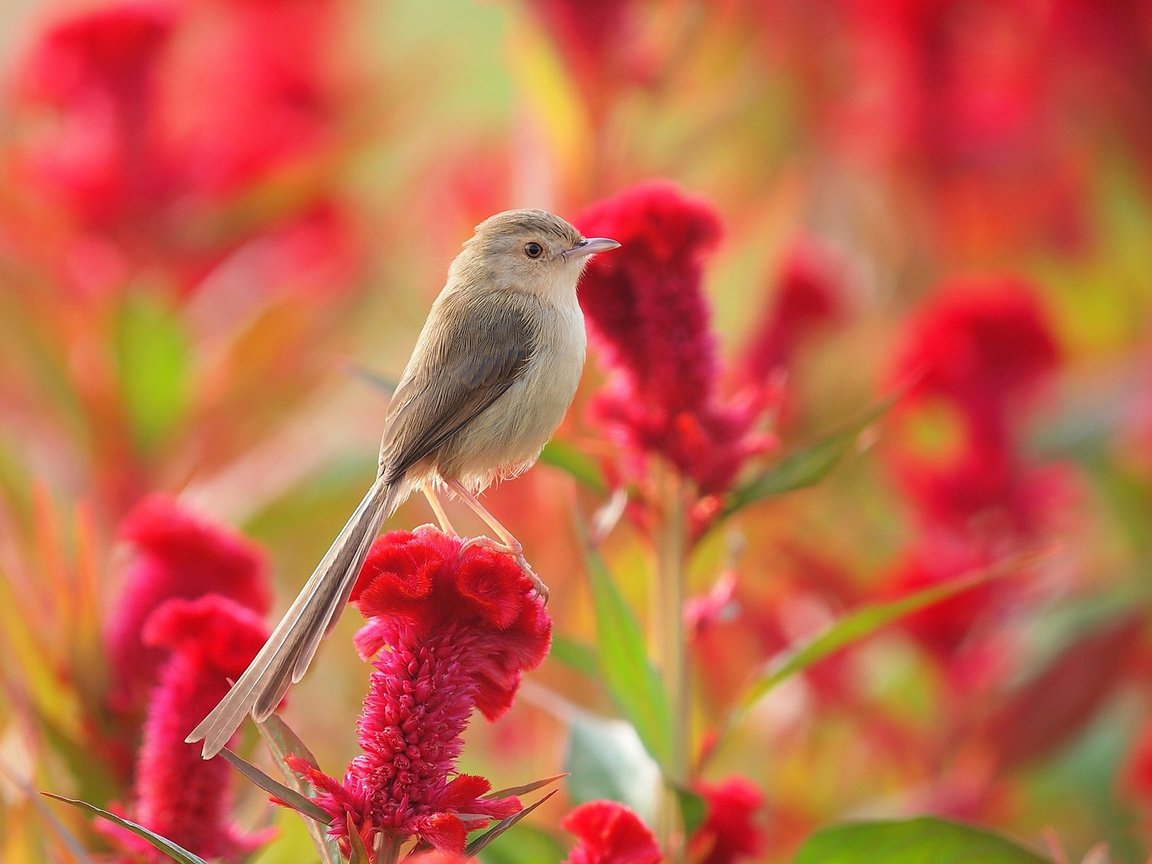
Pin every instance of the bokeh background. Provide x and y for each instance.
(222, 223)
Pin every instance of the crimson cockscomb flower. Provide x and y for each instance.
(985, 345)
(451, 628)
(808, 294)
(96, 70)
(729, 832)
(177, 793)
(174, 554)
(977, 355)
(609, 833)
(649, 318)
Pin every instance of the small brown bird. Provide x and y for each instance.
(493, 372)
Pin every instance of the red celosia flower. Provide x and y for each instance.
(730, 832)
(809, 294)
(97, 70)
(176, 554)
(978, 354)
(178, 794)
(452, 628)
(984, 344)
(649, 317)
(599, 65)
(1137, 776)
(609, 833)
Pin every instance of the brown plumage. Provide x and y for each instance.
(493, 371)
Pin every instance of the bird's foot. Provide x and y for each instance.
(517, 552)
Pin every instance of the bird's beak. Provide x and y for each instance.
(590, 246)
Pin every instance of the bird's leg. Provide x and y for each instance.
(508, 543)
(437, 508)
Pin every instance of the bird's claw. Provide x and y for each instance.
(539, 589)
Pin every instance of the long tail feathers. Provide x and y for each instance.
(285, 656)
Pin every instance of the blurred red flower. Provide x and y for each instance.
(609, 833)
(649, 317)
(979, 353)
(97, 71)
(177, 793)
(808, 294)
(730, 832)
(176, 554)
(451, 627)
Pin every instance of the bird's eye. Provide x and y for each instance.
(533, 250)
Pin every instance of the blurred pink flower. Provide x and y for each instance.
(451, 628)
(97, 71)
(175, 554)
(730, 832)
(649, 318)
(808, 295)
(609, 833)
(177, 793)
(598, 42)
(981, 351)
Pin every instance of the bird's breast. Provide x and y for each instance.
(508, 436)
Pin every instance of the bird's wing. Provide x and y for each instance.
(474, 356)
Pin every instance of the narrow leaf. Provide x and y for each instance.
(176, 853)
(915, 841)
(575, 655)
(359, 853)
(526, 788)
(282, 742)
(575, 463)
(274, 787)
(852, 628)
(632, 681)
(503, 825)
(693, 809)
(152, 357)
(805, 466)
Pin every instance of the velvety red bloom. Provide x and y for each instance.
(730, 832)
(451, 628)
(266, 64)
(175, 554)
(808, 295)
(978, 354)
(609, 833)
(97, 70)
(177, 793)
(600, 64)
(985, 344)
(649, 318)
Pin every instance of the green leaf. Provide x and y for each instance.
(152, 356)
(575, 655)
(500, 827)
(805, 466)
(852, 628)
(359, 855)
(525, 788)
(282, 742)
(176, 853)
(607, 760)
(915, 841)
(530, 846)
(562, 455)
(632, 681)
(274, 787)
(693, 809)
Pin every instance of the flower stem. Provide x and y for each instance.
(670, 577)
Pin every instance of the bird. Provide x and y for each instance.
(492, 374)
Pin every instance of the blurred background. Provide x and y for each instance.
(222, 223)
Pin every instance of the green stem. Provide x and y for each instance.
(671, 553)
